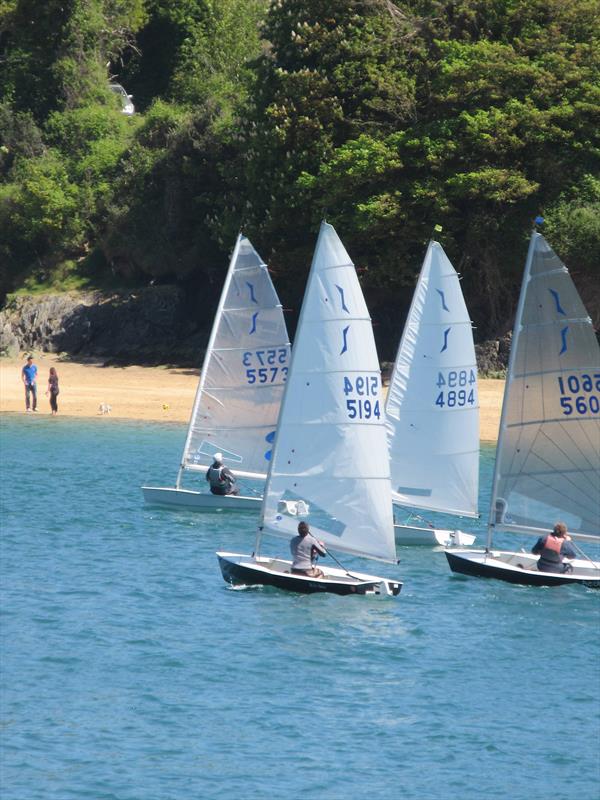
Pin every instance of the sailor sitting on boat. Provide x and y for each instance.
(553, 548)
(305, 549)
(220, 479)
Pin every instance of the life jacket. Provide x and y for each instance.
(551, 550)
(216, 478)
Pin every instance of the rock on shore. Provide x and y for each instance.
(149, 326)
(146, 326)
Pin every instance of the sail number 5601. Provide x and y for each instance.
(361, 393)
(576, 394)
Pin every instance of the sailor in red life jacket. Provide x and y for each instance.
(553, 548)
(220, 479)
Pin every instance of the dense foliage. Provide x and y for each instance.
(385, 118)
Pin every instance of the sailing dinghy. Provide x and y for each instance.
(330, 453)
(240, 388)
(432, 407)
(547, 463)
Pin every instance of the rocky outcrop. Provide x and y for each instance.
(492, 356)
(153, 325)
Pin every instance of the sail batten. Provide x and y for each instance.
(548, 457)
(243, 374)
(432, 407)
(329, 463)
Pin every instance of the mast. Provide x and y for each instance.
(432, 407)
(331, 420)
(511, 362)
(208, 355)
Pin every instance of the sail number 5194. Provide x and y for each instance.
(362, 393)
(576, 394)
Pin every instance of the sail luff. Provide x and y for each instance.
(432, 407)
(299, 326)
(207, 357)
(243, 375)
(322, 467)
(547, 467)
(509, 376)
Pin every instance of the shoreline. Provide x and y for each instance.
(159, 394)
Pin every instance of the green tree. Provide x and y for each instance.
(505, 121)
(332, 70)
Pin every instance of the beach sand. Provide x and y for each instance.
(151, 393)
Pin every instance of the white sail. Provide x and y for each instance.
(330, 450)
(244, 372)
(548, 458)
(432, 408)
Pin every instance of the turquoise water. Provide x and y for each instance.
(131, 672)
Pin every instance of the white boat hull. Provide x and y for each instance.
(520, 568)
(199, 501)
(414, 535)
(245, 570)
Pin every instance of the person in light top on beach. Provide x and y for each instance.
(220, 479)
(305, 549)
(29, 378)
(553, 549)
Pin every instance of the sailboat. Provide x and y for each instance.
(239, 393)
(432, 407)
(330, 453)
(547, 463)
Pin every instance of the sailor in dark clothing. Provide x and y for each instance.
(553, 548)
(221, 479)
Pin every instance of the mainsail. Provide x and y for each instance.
(548, 458)
(330, 450)
(432, 408)
(244, 372)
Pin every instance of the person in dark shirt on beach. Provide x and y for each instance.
(305, 549)
(220, 479)
(553, 548)
(52, 390)
(29, 378)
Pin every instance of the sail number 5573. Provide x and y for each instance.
(266, 366)
(576, 394)
(362, 393)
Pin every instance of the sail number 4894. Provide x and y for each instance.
(576, 394)
(457, 388)
(362, 393)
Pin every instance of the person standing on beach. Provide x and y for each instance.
(52, 390)
(29, 378)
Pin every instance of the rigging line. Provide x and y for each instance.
(585, 555)
(591, 466)
(552, 467)
(593, 446)
(531, 451)
(584, 456)
(349, 574)
(580, 505)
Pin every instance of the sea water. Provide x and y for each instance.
(130, 671)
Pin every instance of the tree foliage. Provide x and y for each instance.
(386, 118)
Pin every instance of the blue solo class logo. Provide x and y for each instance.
(269, 438)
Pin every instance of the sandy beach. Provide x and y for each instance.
(151, 393)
